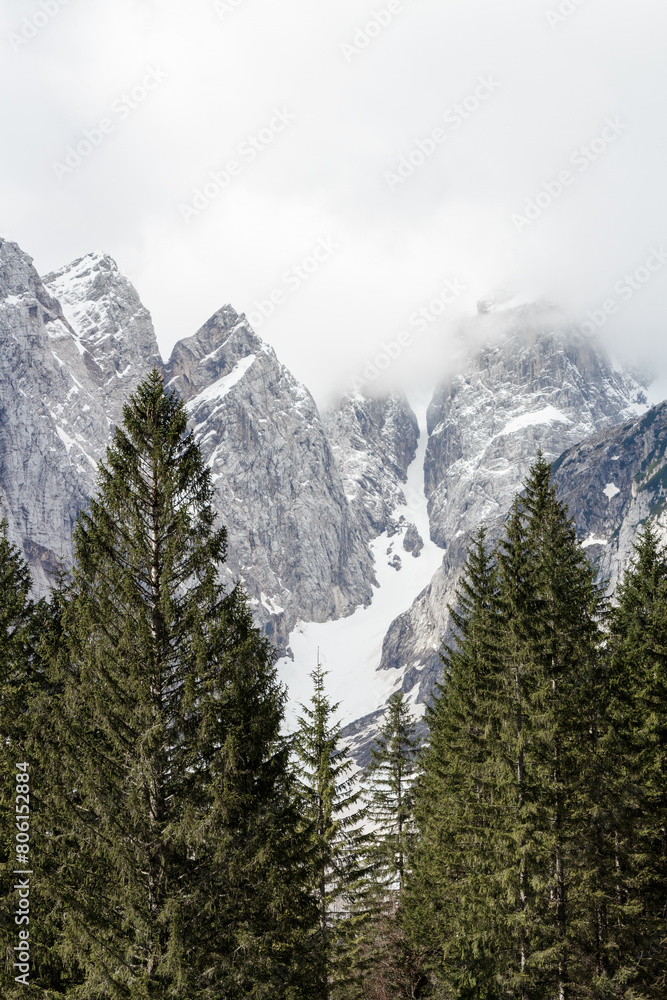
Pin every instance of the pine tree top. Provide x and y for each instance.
(396, 740)
(154, 496)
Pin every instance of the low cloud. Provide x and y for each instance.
(229, 67)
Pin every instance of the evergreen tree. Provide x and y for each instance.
(453, 906)
(509, 849)
(637, 780)
(171, 828)
(384, 964)
(338, 844)
(553, 610)
(17, 613)
(17, 616)
(26, 629)
(389, 778)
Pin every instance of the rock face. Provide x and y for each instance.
(74, 346)
(613, 483)
(541, 386)
(54, 422)
(292, 536)
(114, 327)
(537, 388)
(413, 541)
(374, 441)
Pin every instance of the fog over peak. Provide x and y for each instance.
(332, 170)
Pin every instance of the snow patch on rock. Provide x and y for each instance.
(220, 388)
(592, 540)
(547, 415)
(610, 491)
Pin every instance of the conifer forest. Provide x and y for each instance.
(179, 843)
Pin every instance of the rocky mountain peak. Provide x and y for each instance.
(19, 282)
(538, 384)
(349, 514)
(293, 539)
(212, 352)
(17, 275)
(110, 321)
(75, 345)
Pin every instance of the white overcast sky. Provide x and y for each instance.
(221, 70)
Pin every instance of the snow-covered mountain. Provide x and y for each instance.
(75, 345)
(292, 536)
(349, 528)
(538, 385)
(405, 561)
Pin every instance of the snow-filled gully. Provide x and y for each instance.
(350, 648)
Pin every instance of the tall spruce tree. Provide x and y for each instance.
(383, 963)
(509, 852)
(637, 779)
(337, 841)
(171, 827)
(27, 630)
(453, 906)
(553, 611)
(389, 779)
(17, 613)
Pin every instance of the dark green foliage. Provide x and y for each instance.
(637, 779)
(17, 613)
(454, 912)
(383, 964)
(170, 827)
(503, 896)
(26, 627)
(337, 842)
(389, 779)
(552, 611)
(17, 628)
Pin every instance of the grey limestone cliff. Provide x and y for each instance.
(57, 402)
(74, 346)
(613, 483)
(374, 441)
(293, 538)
